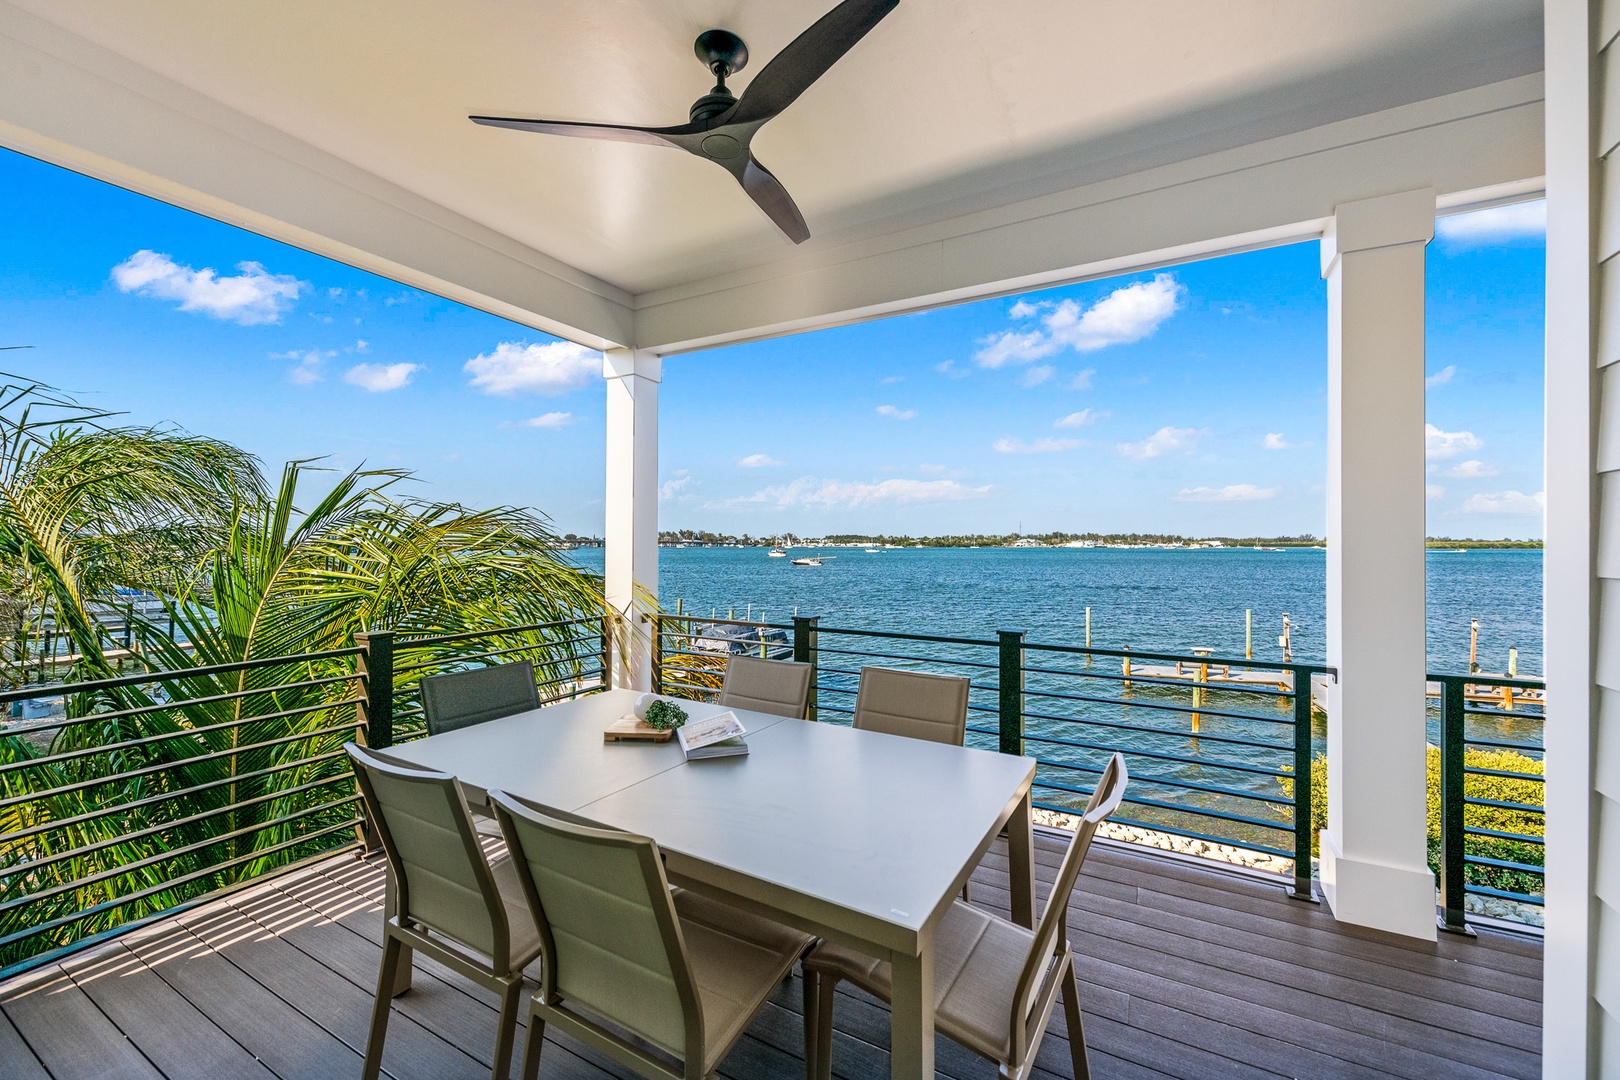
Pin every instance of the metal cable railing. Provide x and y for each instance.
(1220, 748)
(1488, 837)
(160, 789)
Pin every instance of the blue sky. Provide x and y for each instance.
(1188, 400)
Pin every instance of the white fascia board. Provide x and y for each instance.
(1269, 192)
(72, 103)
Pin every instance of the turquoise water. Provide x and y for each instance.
(1207, 773)
(1150, 599)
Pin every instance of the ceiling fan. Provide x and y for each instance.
(722, 125)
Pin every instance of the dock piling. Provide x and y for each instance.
(1248, 634)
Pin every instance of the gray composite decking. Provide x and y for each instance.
(1186, 972)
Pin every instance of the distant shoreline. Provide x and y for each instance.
(690, 538)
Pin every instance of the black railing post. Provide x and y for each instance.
(658, 653)
(607, 651)
(1304, 827)
(1453, 868)
(1011, 682)
(804, 652)
(375, 666)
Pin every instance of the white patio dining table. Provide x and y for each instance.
(854, 836)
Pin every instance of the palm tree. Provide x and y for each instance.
(217, 776)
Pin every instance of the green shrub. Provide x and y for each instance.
(1495, 788)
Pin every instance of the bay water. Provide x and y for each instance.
(1221, 773)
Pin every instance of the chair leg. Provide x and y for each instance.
(533, 1045)
(392, 947)
(506, 1033)
(1079, 1061)
(825, 991)
(810, 1026)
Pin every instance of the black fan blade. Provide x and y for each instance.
(772, 197)
(610, 132)
(807, 58)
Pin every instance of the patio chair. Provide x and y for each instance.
(779, 687)
(995, 983)
(632, 969)
(915, 704)
(450, 902)
(463, 698)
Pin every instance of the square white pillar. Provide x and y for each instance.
(1374, 851)
(630, 558)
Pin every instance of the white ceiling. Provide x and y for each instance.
(947, 107)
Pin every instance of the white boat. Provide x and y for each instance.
(778, 553)
(813, 561)
(873, 551)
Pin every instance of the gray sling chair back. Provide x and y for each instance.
(629, 964)
(463, 698)
(450, 902)
(912, 703)
(995, 983)
(778, 687)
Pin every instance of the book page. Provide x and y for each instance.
(711, 729)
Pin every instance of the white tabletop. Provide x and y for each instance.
(555, 755)
(880, 827)
(869, 835)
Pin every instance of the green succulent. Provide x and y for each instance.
(665, 715)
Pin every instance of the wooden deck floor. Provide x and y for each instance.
(1186, 972)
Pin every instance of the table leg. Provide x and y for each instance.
(1021, 862)
(911, 1034)
(402, 980)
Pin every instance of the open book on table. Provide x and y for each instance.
(720, 735)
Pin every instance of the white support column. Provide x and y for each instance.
(1374, 851)
(1580, 1018)
(630, 561)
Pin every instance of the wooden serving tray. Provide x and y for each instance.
(628, 728)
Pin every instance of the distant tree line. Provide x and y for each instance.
(958, 540)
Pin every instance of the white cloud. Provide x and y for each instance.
(1443, 445)
(1082, 380)
(252, 297)
(380, 378)
(1441, 377)
(1433, 491)
(758, 461)
(940, 470)
(1497, 223)
(550, 420)
(1082, 418)
(1128, 314)
(552, 368)
(1014, 347)
(307, 368)
(949, 369)
(897, 414)
(1167, 440)
(808, 491)
(1036, 375)
(1229, 493)
(1274, 441)
(891, 380)
(1039, 446)
(679, 481)
(1505, 502)
(1472, 469)
(1023, 309)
